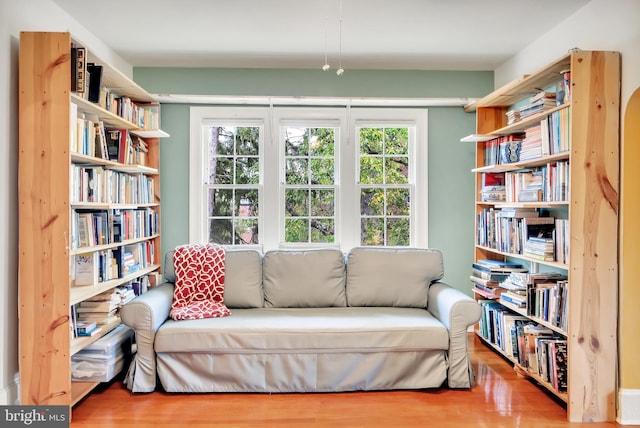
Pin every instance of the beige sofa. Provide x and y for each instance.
(310, 321)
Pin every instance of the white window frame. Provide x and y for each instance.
(200, 118)
(271, 217)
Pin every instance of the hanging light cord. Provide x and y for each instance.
(340, 70)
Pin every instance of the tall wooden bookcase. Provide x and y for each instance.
(46, 211)
(591, 209)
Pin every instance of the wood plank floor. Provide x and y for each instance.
(500, 399)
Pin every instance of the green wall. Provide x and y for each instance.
(451, 186)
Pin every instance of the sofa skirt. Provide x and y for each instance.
(301, 372)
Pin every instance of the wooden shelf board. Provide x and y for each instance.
(511, 93)
(520, 256)
(476, 138)
(84, 292)
(79, 343)
(79, 390)
(523, 164)
(150, 133)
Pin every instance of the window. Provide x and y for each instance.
(300, 176)
(309, 184)
(232, 187)
(386, 178)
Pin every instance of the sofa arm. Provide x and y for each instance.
(145, 314)
(457, 312)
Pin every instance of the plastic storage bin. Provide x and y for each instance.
(104, 359)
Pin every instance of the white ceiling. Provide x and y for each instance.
(376, 34)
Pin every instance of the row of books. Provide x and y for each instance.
(542, 295)
(535, 348)
(90, 183)
(100, 227)
(87, 82)
(547, 300)
(104, 265)
(548, 183)
(549, 137)
(509, 230)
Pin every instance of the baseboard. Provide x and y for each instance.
(629, 407)
(9, 394)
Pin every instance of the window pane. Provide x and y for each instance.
(296, 142)
(398, 232)
(371, 141)
(297, 171)
(322, 230)
(396, 141)
(222, 170)
(322, 171)
(220, 231)
(246, 231)
(221, 141)
(322, 203)
(296, 202)
(246, 203)
(398, 202)
(248, 141)
(220, 202)
(371, 201)
(372, 231)
(321, 142)
(371, 170)
(397, 170)
(296, 230)
(247, 170)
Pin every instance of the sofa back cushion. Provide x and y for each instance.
(397, 277)
(243, 277)
(243, 286)
(304, 278)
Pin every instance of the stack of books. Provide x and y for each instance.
(538, 103)
(487, 276)
(493, 187)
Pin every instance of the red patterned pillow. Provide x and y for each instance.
(199, 287)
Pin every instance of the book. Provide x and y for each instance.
(113, 144)
(494, 276)
(518, 212)
(95, 82)
(83, 328)
(532, 332)
(86, 268)
(498, 263)
(91, 332)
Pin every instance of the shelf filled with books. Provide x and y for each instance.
(546, 217)
(89, 207)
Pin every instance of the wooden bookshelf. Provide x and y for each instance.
(592, 212)
(46, 207)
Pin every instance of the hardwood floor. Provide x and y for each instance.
(499, 399)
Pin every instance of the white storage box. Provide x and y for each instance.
(103, 359)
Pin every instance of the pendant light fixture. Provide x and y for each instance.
(326, 66)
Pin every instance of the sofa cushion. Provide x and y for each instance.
(391, 276)
(304, 279)
(243, 281)
(243, 284)
(306, 330)
(199, 287)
